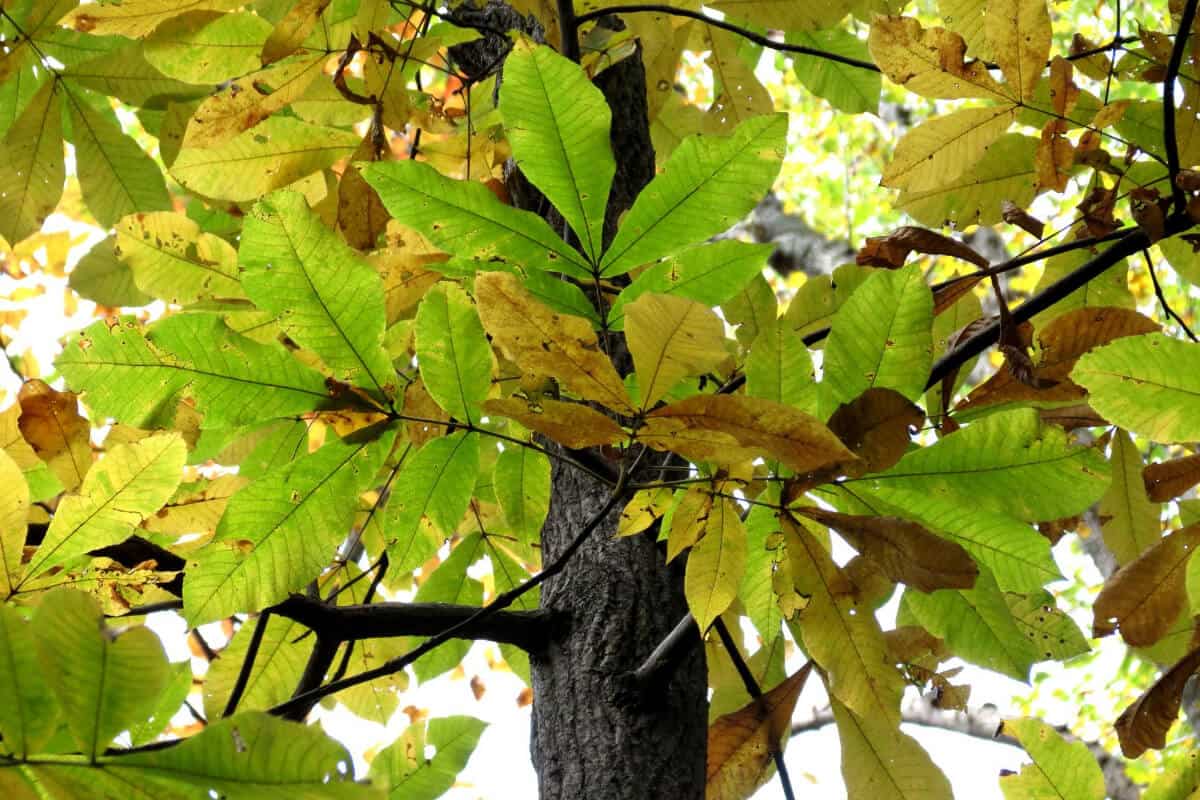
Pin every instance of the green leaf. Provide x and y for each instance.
(779, 368)
(522, 482)
(709, 274)
(250, 755)
(172, 259)
(1016, 554)
(124, 73)
(106, 685)
(880, 338)
(467, 220)
(131, 482)
(707, 185)
(557, 124)
(1006, 172)
(1008, 462)
(280, 531)
(1147, 384)
(1130, 522)
(326, 298)
(406, 774)
(278, 152)
(278, 665)
(847, 88)
(105, 279)
(453, 352)
(234, 380)
(198, 48)
(115, 175)
(28, 710)
(429, 497)
(14, 512)
(1051, 631)
(976, 625)
(1060, 770)
(32, 169)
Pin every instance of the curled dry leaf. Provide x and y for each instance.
(1188, 180)
(875, 426)
(741, 744)
(1169, 479)
(890, 251)
(1144, 725)
(51, 423)
(728, 428)
(905, 551)
(1061, 343)
(1146, 596)
(570, 424)
(1096, 209)
(1015, 215)
(1149, 211)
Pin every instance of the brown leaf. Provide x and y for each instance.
(728, 428)
(1015, 215)
(741, 745)
(1054, 158)
(51, 423)
(1145, 597)
(362, 219)
(1062, 342)
(1149, 211)
(1169, 479)
(1144, 725)
(1063, 91)
(1188, 180)
(875, 426)
(948, 293)
(905, 551)
(1097, 212)
(547, 342)
(426, 413)
(1072, 417)
(570, 424)
(890, 251)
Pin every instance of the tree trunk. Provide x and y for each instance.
(591, 737)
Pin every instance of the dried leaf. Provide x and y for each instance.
(1146, 596)
(570, 424)
(1015, 215)
(890, 251)
(741, 745)
(875, 426)
(1167, 480)
(1144, 725)
(905, 551)
(51, 423)
(703, 427)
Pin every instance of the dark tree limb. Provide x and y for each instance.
(984, 723)
(654, 673)
(745, 33)
(1127, 245)
(1170, 138)
(243, 678)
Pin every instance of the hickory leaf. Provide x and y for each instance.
(453, 352)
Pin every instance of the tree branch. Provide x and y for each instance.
(1127, 245)
(477, 617)
(984, 723)
(243, 678)
(1170, 138)
(750, 35)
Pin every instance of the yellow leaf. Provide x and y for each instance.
(741, 745)
(671, 338)
(930, 62)
(728, 428)
(716, 563)
(249, 100)
(741, 95)
(547, 342)
(879, 760)
(51, 423)
(14, 510)
(842, 636)
(645, 508)
(688, 521)
(291, 31)
(1130, 521)
(1145, 596)
(905, 551)
(570, 424)
(1018, 33)
(942, 148)
(136, 18)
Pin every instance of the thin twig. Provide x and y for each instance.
(1170, 138)
(243, 678)
(1162, 299)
